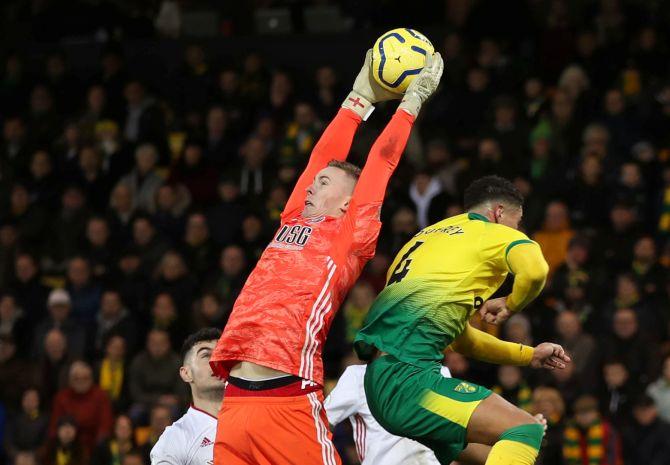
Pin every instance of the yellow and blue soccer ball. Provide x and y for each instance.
(398, 56)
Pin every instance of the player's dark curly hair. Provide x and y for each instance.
(204, 334)
(491, 188)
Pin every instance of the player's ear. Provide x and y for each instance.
(345, 204)
(185, 374)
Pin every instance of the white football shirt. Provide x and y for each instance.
(374, 445)
(189, 441)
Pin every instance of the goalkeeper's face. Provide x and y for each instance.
(329, 194)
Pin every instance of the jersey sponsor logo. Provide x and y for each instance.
(465, 388)
(206, 442)
(450, 230)
(292, 237)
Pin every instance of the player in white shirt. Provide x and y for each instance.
(374, 445)
(190, 440)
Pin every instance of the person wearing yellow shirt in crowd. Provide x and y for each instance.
(555, 235)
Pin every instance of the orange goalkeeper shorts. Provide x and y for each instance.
(286, 430)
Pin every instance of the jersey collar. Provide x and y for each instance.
(477, 216)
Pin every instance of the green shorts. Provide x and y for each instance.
(421, 404)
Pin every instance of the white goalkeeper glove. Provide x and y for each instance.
(366, 92)
(423, 85)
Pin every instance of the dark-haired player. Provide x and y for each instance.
(190, 440)
(436, 283)
(270, 350)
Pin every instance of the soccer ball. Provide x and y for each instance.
(398, 56)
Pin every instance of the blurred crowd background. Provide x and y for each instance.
(135, 199)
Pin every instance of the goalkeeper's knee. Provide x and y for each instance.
(519, 445)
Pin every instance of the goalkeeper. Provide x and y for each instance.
(437, 282)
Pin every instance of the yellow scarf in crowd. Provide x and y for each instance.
(572, 444)
(111, 378)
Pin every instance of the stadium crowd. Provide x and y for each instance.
(131, 217)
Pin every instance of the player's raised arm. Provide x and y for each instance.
(487, 348)
(389, 146)
(530, 273)
(335, 142)
(525, 260)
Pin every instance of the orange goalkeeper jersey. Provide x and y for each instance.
(284, 312)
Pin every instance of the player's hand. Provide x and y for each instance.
(366, 91)
(550, 356)
(541, 420)
(495, 311)
(423, 85)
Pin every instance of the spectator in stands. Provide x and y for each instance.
(356, 307)
(99, 248)
(15, 372)
(301, 135)
(226, 217)
(219, 144)
(8, 250)
(67, 228)
(154, 375)
(618, 393)
(615, 244)
(84, 291)
(196, 173)
(132, 282)
(134, 458)
(199, 248)
(60, 317)
(143, 122)
(159, 419)
(517, 329)
(91, 177)
(254, 175)
(209, 311)
(659, 391)
(13, 322)
(86, 403)
(27, 430)
(581, 346)
(112, 372)
(549, 403)
(65, 447)
(54, 365)
(645, 267)
(14, 148)
(121, 210)
(113, 450)
(512, 387)
(29, 218)
(148, 244)
(646, 441)
(144, 180)
(430, 202)
(43, 184)
(632, 347)
(30, 293)
(174, 278)
(230, 278)
(172, 201)
(555, 234)
(589, 438)
(166, 316)
(114, 318)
